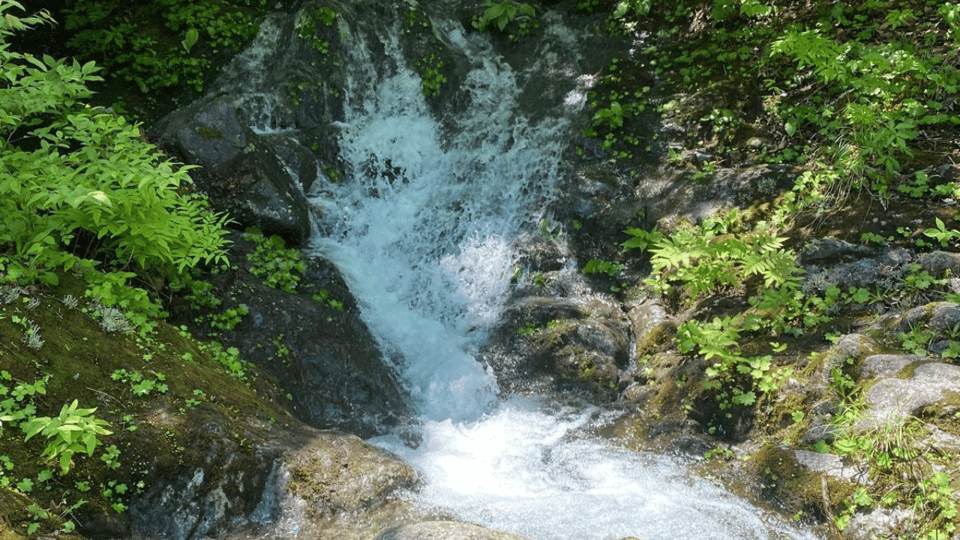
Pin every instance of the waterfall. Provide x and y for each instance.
(423, 226)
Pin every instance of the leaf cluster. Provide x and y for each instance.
(79, 187)
(159, 44)
(73, 431)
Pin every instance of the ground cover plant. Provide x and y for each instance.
(857, 101)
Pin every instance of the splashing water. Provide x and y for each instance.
(422, 228)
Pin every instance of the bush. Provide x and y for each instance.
(79, 185)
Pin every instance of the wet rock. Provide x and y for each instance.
(651, 325)
(240, 170)
(296, 483)
(321, 354)
(221, 481)
(336, 473)
(445, 530)
(891, 399)
(563, 340)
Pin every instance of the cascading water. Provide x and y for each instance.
(422, 227)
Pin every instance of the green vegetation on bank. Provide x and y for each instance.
(858, 101)
(160, 44)
(96, 221)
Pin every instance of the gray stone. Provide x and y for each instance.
(585, 342)
(851, 347)
(829, 464)
(880, 523)
(890, 400)
(240, 170)
(938, 262)
(886, 365)
(329, 364)
(650, 324)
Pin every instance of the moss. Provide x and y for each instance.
(795, 488)
(152, 432)
(208, 132)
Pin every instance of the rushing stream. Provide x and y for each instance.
(425, 220)
(423, 226)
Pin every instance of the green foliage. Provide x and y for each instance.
(82, 188)
(945, 237)
(517, 18)
(157, 44)
(278, 266)
(598, 266)
(230, 359)
(312, 22)
(73, 431)
(711, 258)
(734, 379)
(229, 318)
(323, 296)
(140, 385)
(430, 75)
(877, 98)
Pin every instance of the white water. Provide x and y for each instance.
(424, 222)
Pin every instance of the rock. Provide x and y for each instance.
(213, 485)
(336, 473)
(445, 530)
(886, 365)
(297, 483)
(833, 250)
(849, 350)
(880, 523)
(891, 399)
(829, 464)
(323, 356)
(841, 264)
(241, 171)
(562, 340)
(651, 325)
(936, 263)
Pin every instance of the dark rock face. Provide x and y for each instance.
(292, 482)
(560, 342)
(246, 175)
(216, 484)
(322, 356)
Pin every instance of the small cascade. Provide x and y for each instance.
(423, 226)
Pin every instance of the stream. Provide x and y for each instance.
(423, 227)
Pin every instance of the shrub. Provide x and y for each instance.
(79, 185)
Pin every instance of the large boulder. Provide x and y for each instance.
(549, 342)
(242, 172)
(312, 342)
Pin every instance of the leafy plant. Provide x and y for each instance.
(519, 15)
(709, 258)
(158, 44)
(74, 430)
(84, 189)
(278, 266)
(140, 385)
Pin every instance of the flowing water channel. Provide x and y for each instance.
(423, 227)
